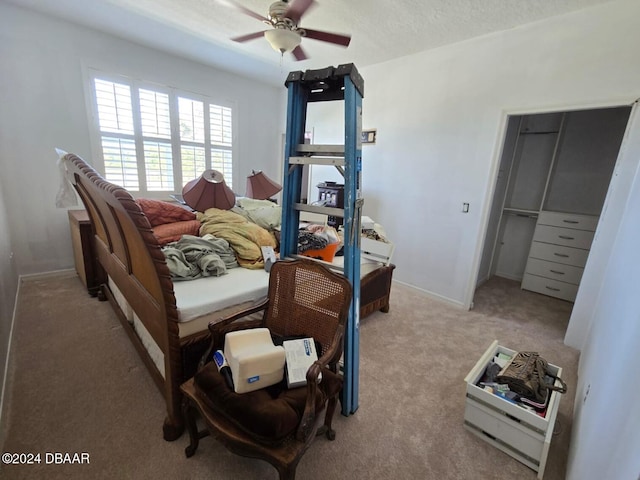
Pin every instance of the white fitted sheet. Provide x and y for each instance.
(195, 298)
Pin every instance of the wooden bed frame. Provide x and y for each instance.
(129, 255)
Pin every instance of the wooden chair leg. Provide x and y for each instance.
(328, 417)
(287, 472)
(194, 435)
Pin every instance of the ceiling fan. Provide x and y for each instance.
(285, 35)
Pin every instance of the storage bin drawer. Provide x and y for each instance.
(558, 253)
(568, 220)
(548, 286)
(505, 430)
(524, 435)
(563, 236)
(556, 271)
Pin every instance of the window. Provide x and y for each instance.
(158, 139)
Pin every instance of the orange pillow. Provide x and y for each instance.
(171, 232)
(159, 212)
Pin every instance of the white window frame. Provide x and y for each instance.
(174, 94)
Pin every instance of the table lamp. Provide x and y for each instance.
(208, 191)
(261, 187)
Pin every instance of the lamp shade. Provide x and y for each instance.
(261, 187)
(208, 191)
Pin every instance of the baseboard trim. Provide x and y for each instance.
(54, 273)
(5, 375)
(432, 295)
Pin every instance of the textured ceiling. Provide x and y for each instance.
(380, 30)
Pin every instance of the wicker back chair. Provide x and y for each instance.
(277, 424)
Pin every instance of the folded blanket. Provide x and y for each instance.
(245, 237)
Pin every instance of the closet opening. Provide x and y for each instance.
(552, 180)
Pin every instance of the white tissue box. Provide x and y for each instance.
(300, 355)
(254, 360)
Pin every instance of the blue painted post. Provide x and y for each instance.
(352, 201)
(296, 120)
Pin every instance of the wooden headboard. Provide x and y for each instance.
(131, 257)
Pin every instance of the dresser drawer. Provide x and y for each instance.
(547, 286)
(556, 271)
(563, 236)
(568, 220)
(558, 253)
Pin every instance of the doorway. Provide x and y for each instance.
(552, 180)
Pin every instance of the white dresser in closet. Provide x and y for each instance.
(550, 189)
(559, 251)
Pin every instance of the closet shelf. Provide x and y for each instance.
(550, 132)
(520, 212)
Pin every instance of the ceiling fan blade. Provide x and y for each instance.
(328, 37)
(248, 36)
(243, 9)
(298, 8)
(299, 53)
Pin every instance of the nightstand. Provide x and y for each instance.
(83, 252)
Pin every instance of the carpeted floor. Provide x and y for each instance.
(76, 385)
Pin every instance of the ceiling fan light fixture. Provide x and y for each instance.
(282, 40)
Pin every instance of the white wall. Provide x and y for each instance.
(613, 213)
(605, 436)
(8, 289)
(43, 106)
(440, 117)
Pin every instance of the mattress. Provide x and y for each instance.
(195, 298)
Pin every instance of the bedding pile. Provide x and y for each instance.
(193, 257)
(244, 237)
(169, 221)
(315, 237)
(265, 213)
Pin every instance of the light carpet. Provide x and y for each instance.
(76, 384)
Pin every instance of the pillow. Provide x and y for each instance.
(159, 212)
(261, 212)
(172, 232)
(273, 412)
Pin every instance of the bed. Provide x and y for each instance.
(166, 320)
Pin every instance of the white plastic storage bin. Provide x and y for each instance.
(523, 434)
